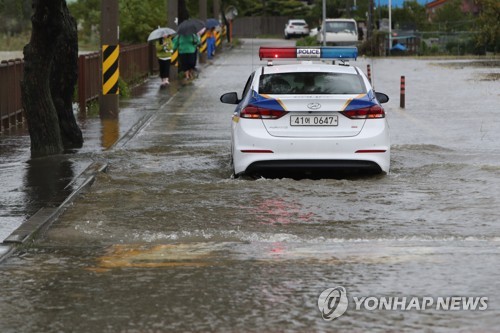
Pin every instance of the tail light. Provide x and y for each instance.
(373, 112)
(254, 112)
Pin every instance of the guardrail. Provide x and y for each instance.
(11, 109)
(136, 63)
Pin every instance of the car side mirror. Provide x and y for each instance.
(230, 98)
(381, 97)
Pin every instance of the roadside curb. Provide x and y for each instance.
(44, 217)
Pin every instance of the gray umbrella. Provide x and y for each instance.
(190, 26)
(160, 32)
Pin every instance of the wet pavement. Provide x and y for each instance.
(31, 184)
(165, 240)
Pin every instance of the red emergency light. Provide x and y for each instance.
(277, 53)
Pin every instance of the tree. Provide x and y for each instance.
(489, 26)
(137, 18)
(411, 16)
(14, 16)
(450, 17)
(48, 77)
(183, 12)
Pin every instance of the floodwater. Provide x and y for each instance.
(167, 241)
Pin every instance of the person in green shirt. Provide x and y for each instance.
(187, 45)
(164, 49)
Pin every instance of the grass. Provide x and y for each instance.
(14, 43)
(17, 42)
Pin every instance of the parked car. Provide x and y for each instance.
(296, 28)
(308, 117)
(341, 32)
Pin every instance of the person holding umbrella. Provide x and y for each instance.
(164, 49)
(211, 24)
(162, 37)
(187, 42)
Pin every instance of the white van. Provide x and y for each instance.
(339, 32)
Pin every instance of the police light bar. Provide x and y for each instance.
(319, 53)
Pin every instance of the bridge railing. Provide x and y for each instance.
(136, 62)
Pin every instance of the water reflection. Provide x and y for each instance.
(46, 181)
(280, 211)
(110, 131)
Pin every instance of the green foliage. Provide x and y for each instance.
(290, 8)
(307, 41)
(137, 18)
(88, 16)
(411, 16)
(450, 17)
(426, 50)
(488, 26)
(334, 9)
(14, 16)
(124, 88)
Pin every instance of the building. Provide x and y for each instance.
(468, 6)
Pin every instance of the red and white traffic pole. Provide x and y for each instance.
(402, 93)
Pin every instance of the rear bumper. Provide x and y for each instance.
(254, 151)
(313, 168)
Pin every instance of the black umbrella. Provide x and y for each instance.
(190, 26)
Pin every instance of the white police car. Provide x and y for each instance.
(308, 118)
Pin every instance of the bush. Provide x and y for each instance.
(307, 41)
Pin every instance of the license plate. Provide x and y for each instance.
(314, 120)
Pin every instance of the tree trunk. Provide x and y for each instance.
(63, 77)
(50, 66)
(182, 11)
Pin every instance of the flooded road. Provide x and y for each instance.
(167, 241)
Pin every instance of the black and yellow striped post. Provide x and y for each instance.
(108, 99)
(218, 38)
(110, 69)
(203, 44)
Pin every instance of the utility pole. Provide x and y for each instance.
(108, 101)
(172, 14)
(390, 27)
(202, 4)
(323, 24)
(216, 10)
(369, 31)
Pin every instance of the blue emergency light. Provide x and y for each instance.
(309, 53)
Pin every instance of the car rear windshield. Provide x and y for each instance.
(347, 27)
(297, 23)
(311, 83)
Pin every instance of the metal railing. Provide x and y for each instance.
(11, 108)
(136, 62)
